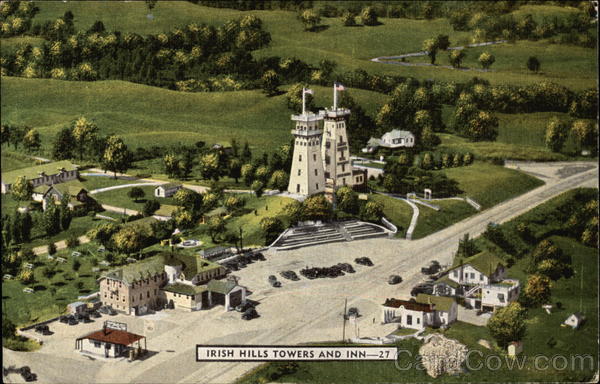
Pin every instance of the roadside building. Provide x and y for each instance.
(167, 190)
(45, 174)
(79, 199)
(112, 341)
(393, 139)
(214, 252)
(424, 311)
(227, 293)
(186, 296)
(575, 320)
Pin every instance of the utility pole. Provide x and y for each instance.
(344, 327)
(581, 290)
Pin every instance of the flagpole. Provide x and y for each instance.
(334, 96)
(303, 101)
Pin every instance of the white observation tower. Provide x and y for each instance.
(307, 176)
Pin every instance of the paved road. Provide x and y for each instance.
(298, 312)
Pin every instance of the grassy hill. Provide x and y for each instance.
(352, 47)
(146, 116)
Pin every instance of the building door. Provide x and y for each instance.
(235, 298)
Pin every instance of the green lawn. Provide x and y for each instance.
(396, 211)
(430, 220)
(119, 198)
(51, 294)
(97, 182)
(350, 47)
(10, 44)
(130, 110)
(14, 160)
(490, 184)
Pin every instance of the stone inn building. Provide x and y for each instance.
(180, 280)
(45, 174)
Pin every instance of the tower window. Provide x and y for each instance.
(299, 157)
(297, 188)
(314, 156)
(299, 172)
(316, 173)
(317, 185)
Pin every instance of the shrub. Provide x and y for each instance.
(51, 249)
(72, 242)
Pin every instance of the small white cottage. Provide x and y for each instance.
(575, 320)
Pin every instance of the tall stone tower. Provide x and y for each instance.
(335, 148)
(307, 176)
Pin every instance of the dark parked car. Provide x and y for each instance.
(86, 319)
(290, 275)
(422, 288)
(250, 314)
(433, 267)
(353, 311)
(95, 314)
(73, 321)
(27, 375)
(346, 267)
(276, 284)
(107, 310)
(394, 279)
(64, 319)
(244, 307)
(260, 256)
(364, 261)
(43, 329)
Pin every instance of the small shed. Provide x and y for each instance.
(575, 320)
(167, 190)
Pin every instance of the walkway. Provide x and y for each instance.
(415, 216)
(392, 59)
(100, 190)
(42, 249)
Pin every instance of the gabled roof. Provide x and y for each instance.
(33, 172)
(446, 280)
(398, 134)
(113, 336)
(221, 286)
(485, 262)
(440, 303)
(373, 142)
(169, 186)
(192, 264)
(185, 289)
(410, 305)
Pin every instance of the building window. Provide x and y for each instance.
(314, 156)
(455, 273)
(343, 167)
(317, 185)
(481, 276)
(297, 188)
(141, 296)
(299, 157)
(148, 294)
(409, 319)
(473, 275)
(418, 321)
(316, 173)
(193, 297)
(299, 172)
(97, 344)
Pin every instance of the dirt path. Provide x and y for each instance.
(42, 249)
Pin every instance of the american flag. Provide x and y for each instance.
(309, 91)
(339, 87)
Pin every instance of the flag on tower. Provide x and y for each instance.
(339, 87)
(309, 91)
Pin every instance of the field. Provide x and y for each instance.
(396, 211)
(119, 198)
(146, 116)
(430, 221)
(490, 184)
(14, 160)
(350, 47)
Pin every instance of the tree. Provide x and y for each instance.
(16, 135)
(172, 168)
(371, 211)
(270, 81)
(210, 167)
(347, 200)
(557, 132)
(258, 187)
(183, 218)
(585, 134)
(508, 324)
(310, 19)
(430, 46)
(553, 269)
(246, 153)
(76, 265)
(31, 141)
(51, 220)
(442, 42)
(483, 127)
(190, 200)
(51, 249)
(136, 193)
(128, 240)
(216, 227)
(235, 168)
(103, 233)
(64, 144)
(21, 189)
(150, 206)
(116, 157)
(486, 60)
(294, 210)
(537, 290)
(65, 217)
(279, 180)
(233, 202)
(272, 227)
(456, 57)
(348, 19)
(368, 16)
(84, 133)
(533, 64)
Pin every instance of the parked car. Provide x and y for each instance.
(86, 319)
(244, 307)
(43, 329)
(73, 321)
(394, 279)
(26, 374)
(272, 278)
(290, 275)
(95, 314)
(107, 310)
(422, 288)
(346, 267)
(276, 284)
(64, 319)
(364, 261)
(250, 314)
(353, 311)
(433, 267)
(260, 256)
